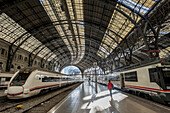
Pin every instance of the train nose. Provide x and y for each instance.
(15, 90)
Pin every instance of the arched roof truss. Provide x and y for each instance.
(80, 32)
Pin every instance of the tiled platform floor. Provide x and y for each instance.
(88, 99)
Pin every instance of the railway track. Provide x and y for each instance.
(31, 103)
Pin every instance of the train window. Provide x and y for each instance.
(131, 76)
(166, 75)
(45, 79)
(50, 79)
(8, 78)
(152, 74)
(115, 78)
(20, 78)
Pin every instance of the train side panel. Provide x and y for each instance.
(143, 83)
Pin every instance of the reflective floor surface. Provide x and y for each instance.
(95, 98)
(2, 92)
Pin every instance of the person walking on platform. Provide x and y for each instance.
(110, 86)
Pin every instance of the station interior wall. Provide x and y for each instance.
(20, 60)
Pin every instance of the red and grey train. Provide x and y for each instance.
(151, 80)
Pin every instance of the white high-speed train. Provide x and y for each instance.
(150, 80)
(30, 81)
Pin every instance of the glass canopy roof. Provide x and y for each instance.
(120, 26)
(73, 39)
(10, 31)
(68, 18)
(164, 52)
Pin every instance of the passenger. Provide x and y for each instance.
(110, 86)
(89, 80)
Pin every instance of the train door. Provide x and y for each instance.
(164, 73)
(122, 80)
(156, 76)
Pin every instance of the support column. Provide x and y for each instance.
(82, 75)
(95, 75)
(96, 82)
(95, 66)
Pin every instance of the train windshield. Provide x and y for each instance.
(21, 77)
(166, 75)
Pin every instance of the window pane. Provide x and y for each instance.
(131, 76)
(152, 74)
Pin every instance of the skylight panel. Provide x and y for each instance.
(146, 3)
(11, 31)
(80, 18)
(101, 54)
(133, 5)
(70, 8)
(52, 57)
(120, 25)
(164, 53)
(44, 51)
(165, 30)
(57, 13)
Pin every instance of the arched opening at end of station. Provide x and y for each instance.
(92, 72)
(71, 70)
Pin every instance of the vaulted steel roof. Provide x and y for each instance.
(80, 32)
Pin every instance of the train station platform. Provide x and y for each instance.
(2, 92)
(92, 98)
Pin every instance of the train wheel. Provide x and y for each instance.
(43, 91)
(147, 96)
(141, 95)
(137, 93)
(133, 92)
(167, 103)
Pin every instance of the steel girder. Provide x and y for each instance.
(59, 38)
(11, 54)
(138, 26)
(48, 25)
(92, 56)
(70, 24)
(89, 38)
(56, 15)
(98, 0)
(31, 60)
